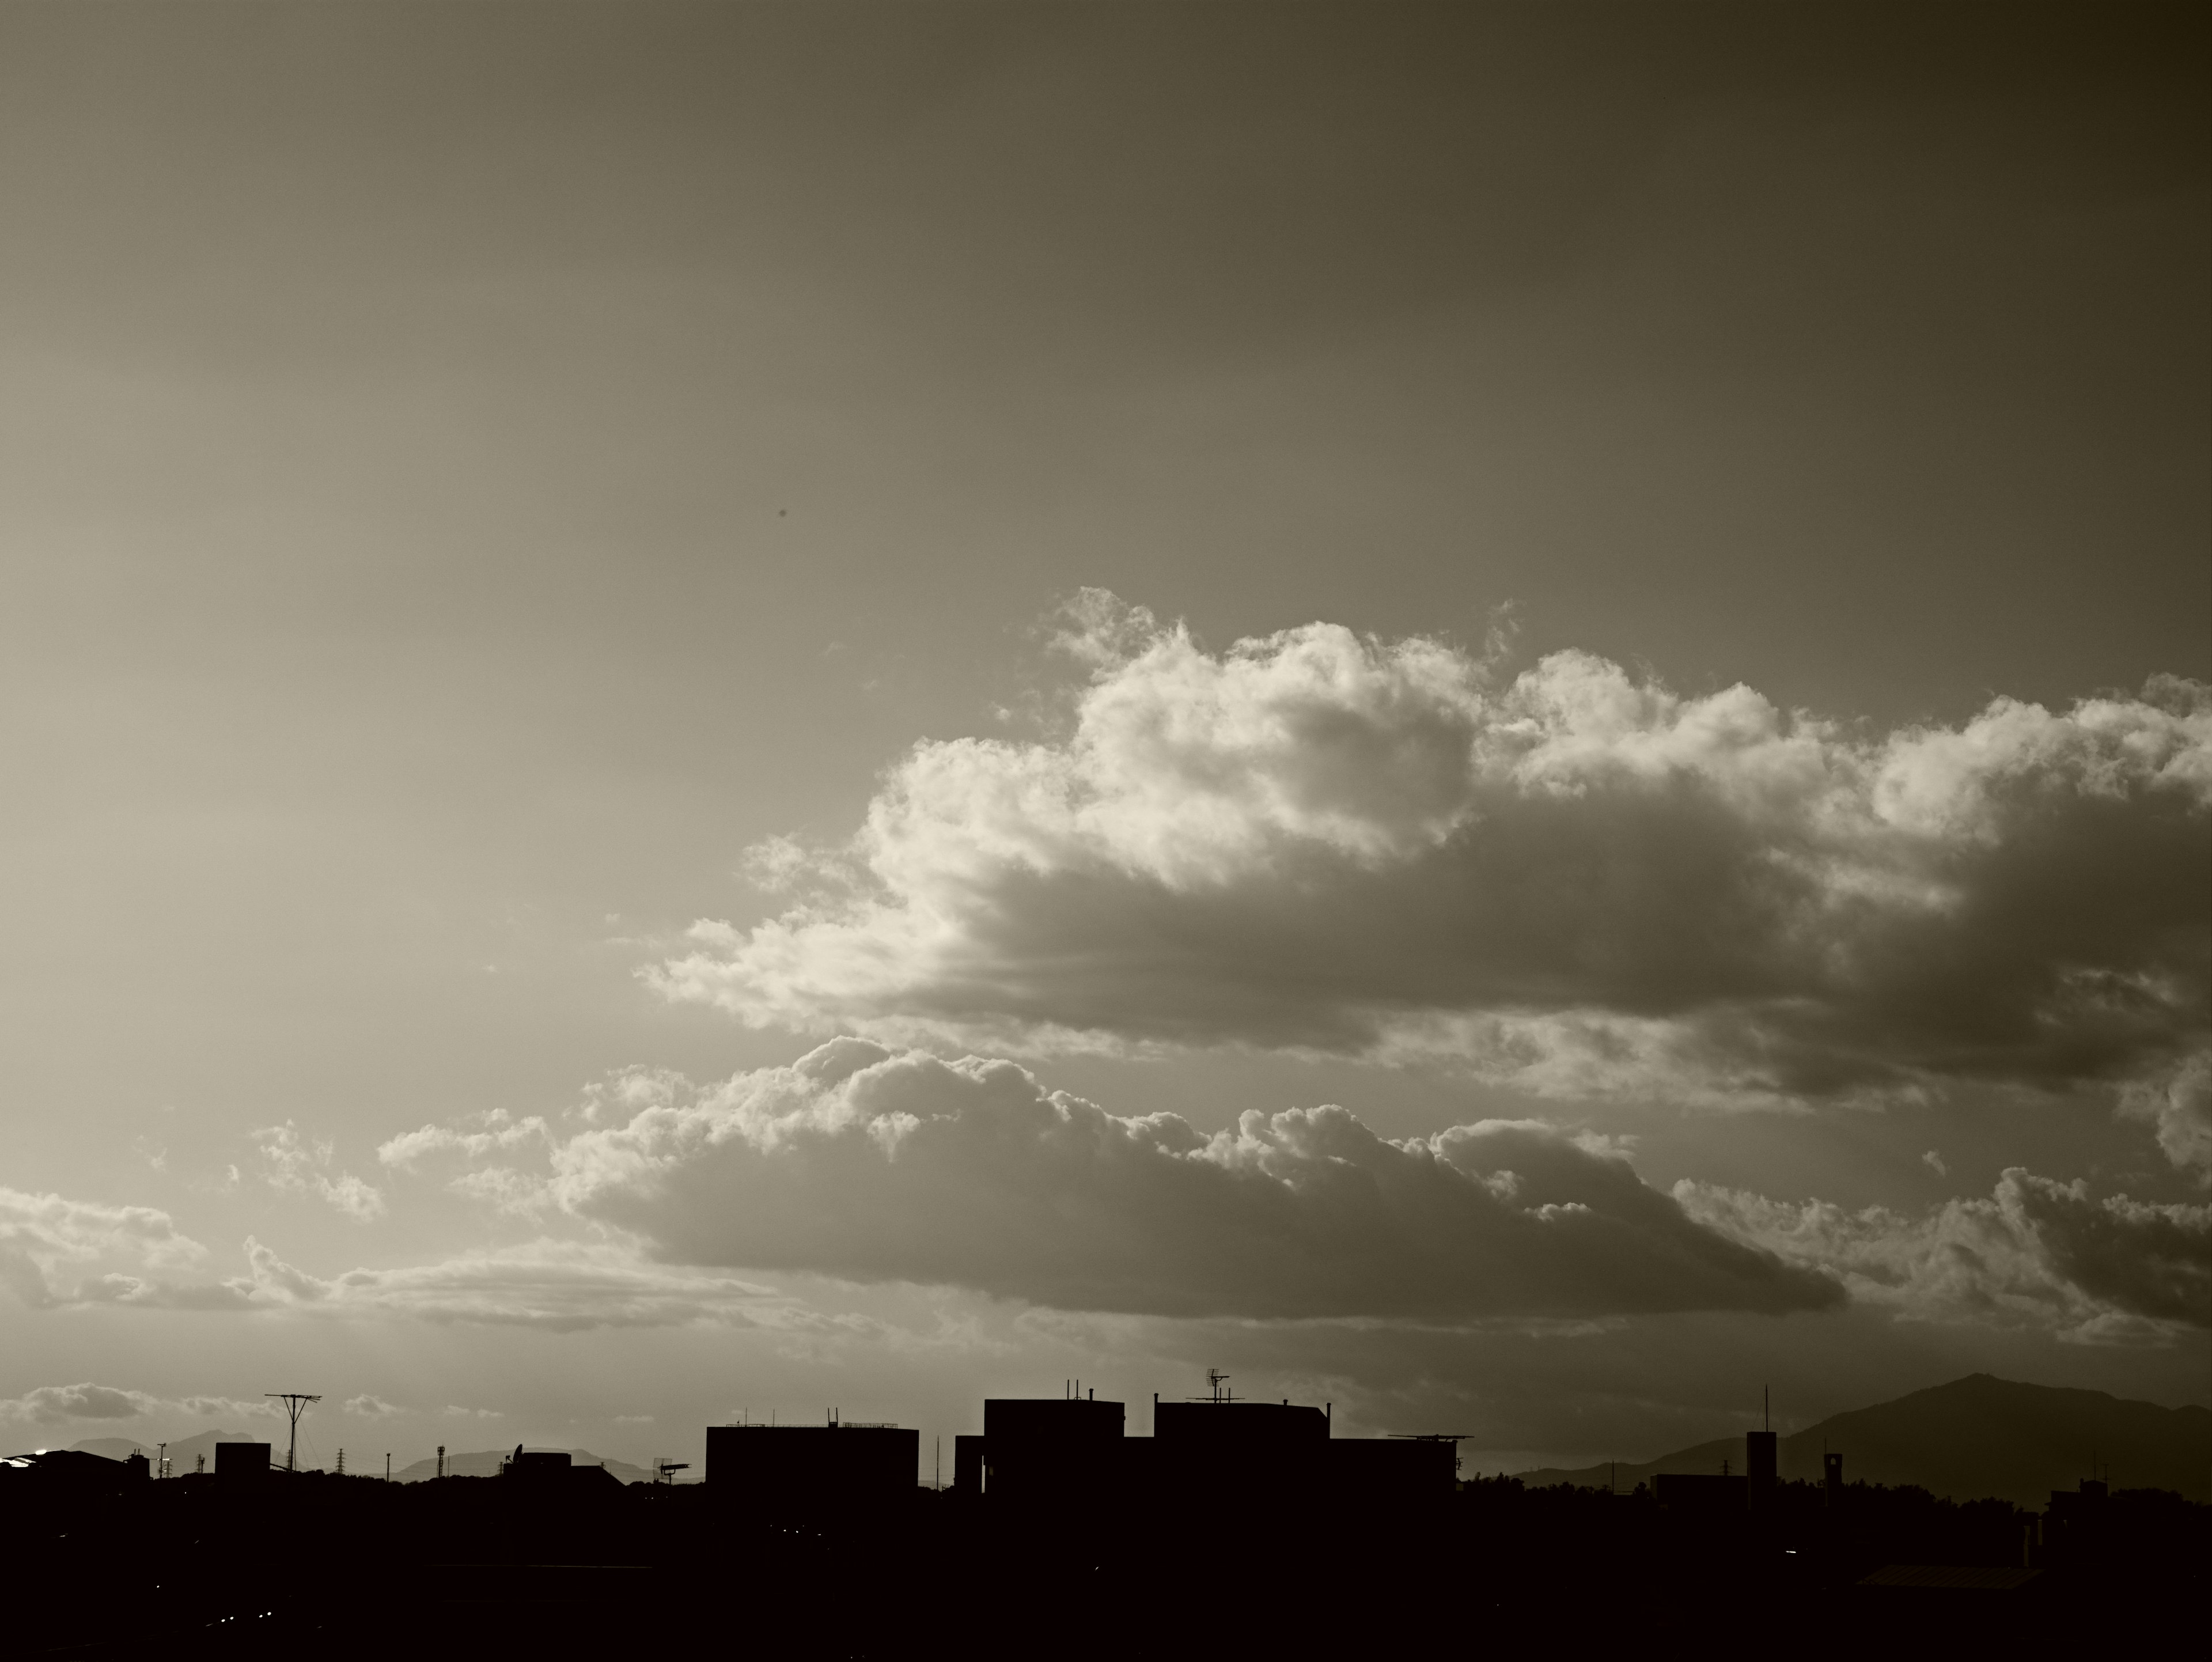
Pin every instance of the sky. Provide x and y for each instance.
(1496, 714)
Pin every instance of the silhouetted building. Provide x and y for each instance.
(137, 1469)
(1388, 1472)
(2073, 1523)
(1227, 1454)
(542, 1472)
(797, 1470)
(1040, 1449)
(967, 1464)
(1759, 1471)
(1698, 1497)
(1832, 1475)
(536, 1466)
(61, 1472)
(241, 1460)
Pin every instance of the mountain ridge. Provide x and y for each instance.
(1972, 1437)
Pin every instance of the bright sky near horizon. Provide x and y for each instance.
(1495, 714)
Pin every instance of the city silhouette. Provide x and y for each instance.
(1092, 1527)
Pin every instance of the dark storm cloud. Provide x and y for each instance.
(1577, 882)
(874, 1165)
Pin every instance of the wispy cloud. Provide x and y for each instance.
(562, 1286)
(496, 1129)
(297, 1165)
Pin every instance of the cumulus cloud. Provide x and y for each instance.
(40, 1233)
(2036, 1251)
(57, 1405)
(1576, 882)
(301, 1168)
(371, 1408)
(561, 1286)
(871, 1164)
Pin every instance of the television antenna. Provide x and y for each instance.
(1215, 1379)
(294, 1402)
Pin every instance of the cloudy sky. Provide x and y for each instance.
(1498, 714)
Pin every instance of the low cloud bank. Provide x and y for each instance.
(1578, 883)
(64, 1404)
(2035, 1252)
(871, 1164)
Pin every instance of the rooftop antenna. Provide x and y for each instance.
(1215, 1379)
(294, 1401)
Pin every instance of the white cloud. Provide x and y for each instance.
(371, 1408)
(1934, 1161)
(301, 1167)
(2036, 1251)
(58, 1404)
(40, 1233)
(872, 1164)
(505, 1189)
(499, 1130)
(1576, 882)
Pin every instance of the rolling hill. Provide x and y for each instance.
(1973, 1437)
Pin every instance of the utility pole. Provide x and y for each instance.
(387, 1468)
(294, 1401)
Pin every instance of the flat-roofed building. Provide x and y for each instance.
(772, 1471)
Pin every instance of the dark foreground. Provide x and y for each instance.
(322, 1566)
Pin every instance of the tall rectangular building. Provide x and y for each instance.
(812, 1471)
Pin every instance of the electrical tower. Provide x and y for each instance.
(294, 1402)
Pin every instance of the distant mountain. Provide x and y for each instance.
(485, 1463)
(1973, 1437)
(182, 1452)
